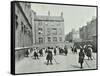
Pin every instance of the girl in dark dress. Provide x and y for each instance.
(49, 57)
(81, 58)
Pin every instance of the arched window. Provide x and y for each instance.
(16, 21)
(55, 39)
(48, 31)
(54, 31)
(40, 40)
(49, 39)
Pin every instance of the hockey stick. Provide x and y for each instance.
(55, 60)
(93, 57)
(87, 64)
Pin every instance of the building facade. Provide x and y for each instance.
(73, 36)
(49, 30)
(88, 32)
(23, 29)
(91, 29)
(23, 36)
(69, 37)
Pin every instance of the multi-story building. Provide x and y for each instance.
(91, 29)
(83, 33)
(23, 28)
(49, 30)
(88, 32)
(73, 36)
(69, 37)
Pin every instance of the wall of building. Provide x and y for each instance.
(48, 30)
(73, 36)
(91, 29)
(76, 36)
(88, 32)
(23, 31)
(83, 33)
(27, 10)
(69, 37)
(54, 29)
(33, 27)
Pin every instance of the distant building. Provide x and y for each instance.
(48, 30)
(69, 37)
(83, 33)
(91, 29)
(88, 32)
(73, 36)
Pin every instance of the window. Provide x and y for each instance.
(27, 5)
(16, 24)
(22, 27)
(39, 23)
(49, 39)
(60, 38)
(58, 24)
(16, 21)
(54, 31)
(40, 40)
(48, 31)
(55, 39)
(46, 23)
(40, 30)
(22, 23)
(60, 31)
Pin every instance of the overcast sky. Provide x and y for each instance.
(74, 16)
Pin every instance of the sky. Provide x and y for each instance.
(74, 16)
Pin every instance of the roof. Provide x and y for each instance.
(48, 18)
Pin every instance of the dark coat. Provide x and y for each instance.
(46, 51)
(55, 50)
(72, 49)
(89, 53)
(27, 52)
(75, 49)
(81, 56)
(41, 51)
(49, 56)
(66, 51)
(35, 54)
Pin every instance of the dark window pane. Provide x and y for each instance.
(40, 40)
(54, 31)
(54, 39)
(49, 39)
(60, 38)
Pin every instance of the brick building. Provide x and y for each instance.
(49, 30)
